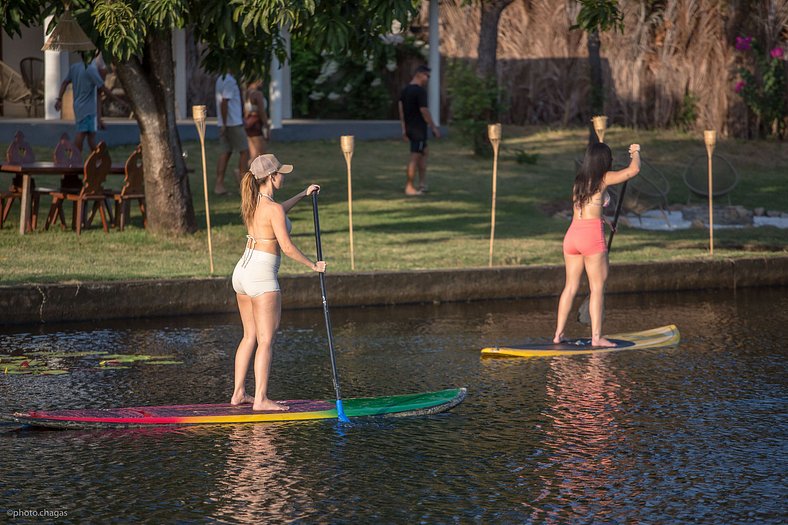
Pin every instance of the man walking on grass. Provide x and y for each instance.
(414, 116)
(229, 117)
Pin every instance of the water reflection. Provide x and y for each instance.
(583, 402)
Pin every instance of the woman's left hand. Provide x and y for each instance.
(311, 189)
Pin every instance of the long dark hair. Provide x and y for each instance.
(596, 163)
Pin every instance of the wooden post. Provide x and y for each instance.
(494, 133)
(347, 144)
(600, 126)
(710, 138)
(198, 114)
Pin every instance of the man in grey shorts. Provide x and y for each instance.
(232, 137)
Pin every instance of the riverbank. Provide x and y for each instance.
(86, 301)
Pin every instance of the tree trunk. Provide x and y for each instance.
(488, 36)
(150, 86)
(597, 94)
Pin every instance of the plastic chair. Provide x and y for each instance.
(696, 177)
(647, 191)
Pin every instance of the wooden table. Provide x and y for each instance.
(42, 169)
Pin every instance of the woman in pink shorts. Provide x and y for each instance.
(584, 242)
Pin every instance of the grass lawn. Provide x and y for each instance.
(447, 228)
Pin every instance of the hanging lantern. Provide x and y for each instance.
(68, 36)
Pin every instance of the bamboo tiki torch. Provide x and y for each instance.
(710, 138)
(494, 132)
(198, 114)
(346, 141)
(600, 126)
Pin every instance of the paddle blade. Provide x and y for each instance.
(583, 313)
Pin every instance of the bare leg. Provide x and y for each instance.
(423, 170)
(574, 272)
(243, 166)
(413, 166)
(596, 269)
(92, 141)
(267, 311)
(79, 140)
(243, 355)
(221, 167)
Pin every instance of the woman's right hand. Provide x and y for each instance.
(634, 148)
(320, 266)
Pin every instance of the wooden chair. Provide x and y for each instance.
(32, 69)
(66, 155)
(97, 167)
(19, 152)
(133, 189)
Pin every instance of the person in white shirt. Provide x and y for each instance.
(232, 137)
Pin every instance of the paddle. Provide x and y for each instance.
(340, 411)
(583, 315)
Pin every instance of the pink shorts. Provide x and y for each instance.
(585, 237)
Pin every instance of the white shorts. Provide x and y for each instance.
(256, 273)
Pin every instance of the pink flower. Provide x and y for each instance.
(777, 52)
(743, 43)
(739, 86)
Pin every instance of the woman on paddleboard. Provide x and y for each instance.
(255, 276)
(584, 242)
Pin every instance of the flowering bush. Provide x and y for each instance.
(763, 85)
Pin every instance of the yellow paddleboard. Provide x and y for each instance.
(654, 338)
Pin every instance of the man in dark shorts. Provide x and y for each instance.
(414, 116)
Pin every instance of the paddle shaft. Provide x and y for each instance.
(335, 376)
(615, 217)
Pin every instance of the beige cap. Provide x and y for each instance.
(268, 164)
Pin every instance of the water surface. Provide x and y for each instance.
(694, 433)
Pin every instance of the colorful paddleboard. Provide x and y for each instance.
(654, 338)
(393, 406)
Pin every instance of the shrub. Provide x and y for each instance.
(475, 103)
(762, 85)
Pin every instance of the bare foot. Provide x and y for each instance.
(559, 338)
(219, 190)
(603, 343)
(269, 405)
(411, 191)
(246, 399)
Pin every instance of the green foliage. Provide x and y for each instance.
(122, 30)
(599, 15)
(475, 103)
(348, 85)
(763, 85)
(687, 114)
